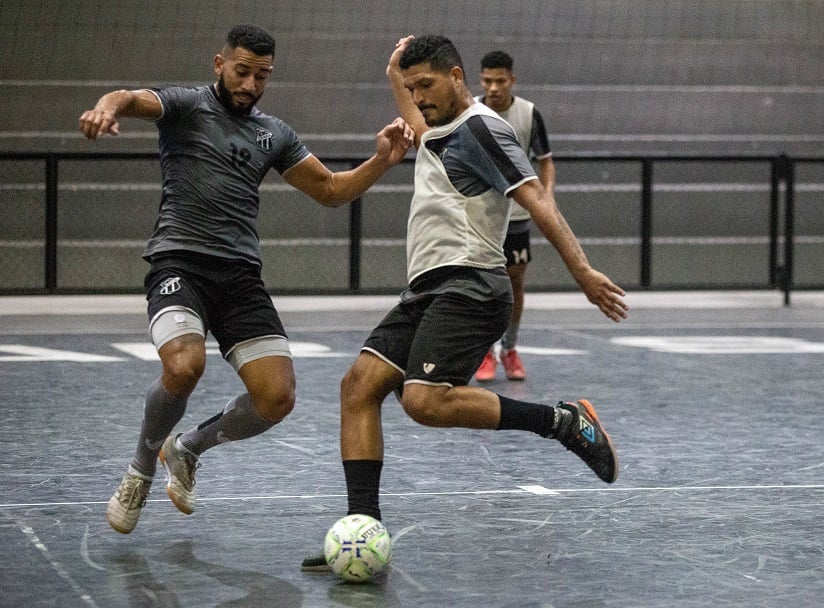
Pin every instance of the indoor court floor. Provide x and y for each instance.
(710, 398)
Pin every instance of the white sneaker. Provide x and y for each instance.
(125, 505)
(181, 466)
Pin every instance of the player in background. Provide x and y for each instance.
(204, 253)
(469, 165)
(497, 80)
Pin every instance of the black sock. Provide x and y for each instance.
(363, 480)
(524, 416)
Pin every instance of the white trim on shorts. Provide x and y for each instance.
(164, 327)
(410, 381)
(258, 348)
(427, 382)
(383, 358)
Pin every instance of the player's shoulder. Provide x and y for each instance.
(272, 122)
(483, 116)
(521, 103)
(177, 90)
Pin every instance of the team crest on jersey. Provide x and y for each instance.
(169, 286)
(264, 139)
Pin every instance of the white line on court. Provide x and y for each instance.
(533, 490)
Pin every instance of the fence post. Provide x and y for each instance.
(355, 236)
(646, 223)
(788, 175)
(51, 225)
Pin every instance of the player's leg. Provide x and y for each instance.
(363, 390)
(183, 358)
(270, 396)
(376, 372)
(575, 425)
(252, 339)
(436, 393)
(517, 258)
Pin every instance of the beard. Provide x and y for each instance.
(228, 101)
(440, 119)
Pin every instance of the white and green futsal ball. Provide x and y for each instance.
(357, 547)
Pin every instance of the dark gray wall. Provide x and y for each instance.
(699, 76)
(610, 75)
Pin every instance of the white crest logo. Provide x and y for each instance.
(264, 139)
(428, 367)
(169, 286)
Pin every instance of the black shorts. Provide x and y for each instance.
(439, 338)
(516, 244)
(228, 296)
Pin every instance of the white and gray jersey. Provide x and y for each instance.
(464, 172)
(213, 162)
(530, 130)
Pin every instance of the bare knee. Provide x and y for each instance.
(351, 388)
(182, 371)
(423, 406)
(275, 402)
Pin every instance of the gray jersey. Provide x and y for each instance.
(531, 132)
(464, 172)
(213, 162)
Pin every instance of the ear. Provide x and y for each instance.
(219, 61)
(457, 73)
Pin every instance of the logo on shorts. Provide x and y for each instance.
(264, 139)
(169, 286)
(428, 367)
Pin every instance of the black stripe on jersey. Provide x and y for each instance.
(539, 132)
(478, 127)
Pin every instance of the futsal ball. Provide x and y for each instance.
(357, 547)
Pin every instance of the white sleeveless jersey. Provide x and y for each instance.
(530, 130)
(464, 172)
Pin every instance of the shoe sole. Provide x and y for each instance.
(315, 564)
(590, 410)
(183, 508)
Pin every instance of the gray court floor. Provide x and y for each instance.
(712, 400)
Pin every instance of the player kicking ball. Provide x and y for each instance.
(469, 165)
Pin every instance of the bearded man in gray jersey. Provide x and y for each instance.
(215, 148)
(469, 164)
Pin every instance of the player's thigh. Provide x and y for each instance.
(453, 337)
(370, 380)
(270, 381)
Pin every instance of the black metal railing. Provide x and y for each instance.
(781, 213)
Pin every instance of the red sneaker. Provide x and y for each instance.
(513, 366)
(486, 371)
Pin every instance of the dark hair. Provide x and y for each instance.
(496, 59)
(252, 38)
(436, 50)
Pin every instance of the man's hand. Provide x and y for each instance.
(393, 68)
(97, 122)
(394, 141)
(605, 294)
(140, 103)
